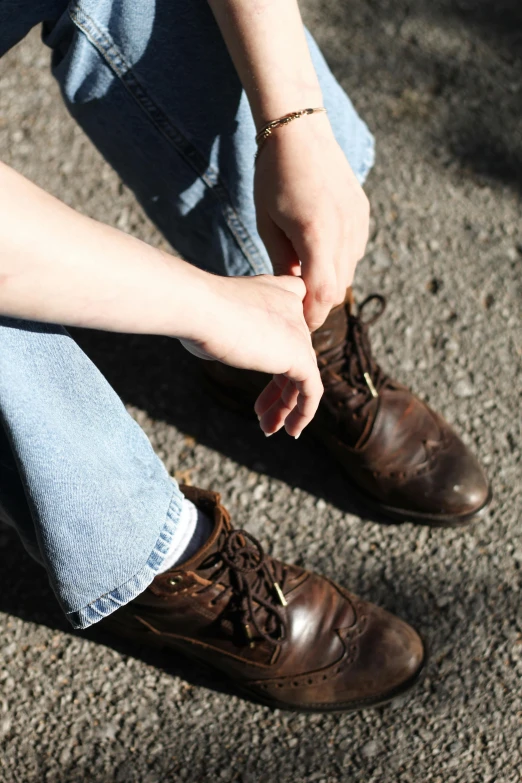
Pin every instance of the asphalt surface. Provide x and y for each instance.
(440, 84)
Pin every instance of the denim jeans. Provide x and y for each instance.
(153, 86)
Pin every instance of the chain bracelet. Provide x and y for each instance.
(268, 129)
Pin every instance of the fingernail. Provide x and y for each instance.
(297, 436)
(268, 434)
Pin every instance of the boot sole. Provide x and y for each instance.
(162, 642)
(442, 520)
(244, 407)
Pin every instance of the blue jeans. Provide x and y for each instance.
(152, 84)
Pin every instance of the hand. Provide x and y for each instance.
(257, 323)
(311, 209)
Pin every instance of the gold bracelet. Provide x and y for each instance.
(267, 129)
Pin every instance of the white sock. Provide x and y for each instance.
(194, 528)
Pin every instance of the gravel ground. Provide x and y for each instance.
(440, 84)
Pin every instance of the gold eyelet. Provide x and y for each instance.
(175, 580)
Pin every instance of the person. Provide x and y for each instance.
(199, 108)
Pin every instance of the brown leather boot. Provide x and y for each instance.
(401, 456)
(282, 635)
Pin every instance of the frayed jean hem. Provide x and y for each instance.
(110, 602)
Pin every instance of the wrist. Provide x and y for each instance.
(187, 290)
(311, 130)
(273, 105)
(195, 314)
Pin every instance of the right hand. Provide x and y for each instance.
(312, 214)
(257, 323)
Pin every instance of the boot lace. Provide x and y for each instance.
(351, 361)
(255, 586)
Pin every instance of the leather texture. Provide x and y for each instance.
(403, 457)
(285, 636)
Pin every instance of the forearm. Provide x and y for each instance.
(267, 44)
(61, 267)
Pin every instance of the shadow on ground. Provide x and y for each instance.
(454, 66)
(160, 377)
(25, 593)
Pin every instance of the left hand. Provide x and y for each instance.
(257, 323)
(311, 209)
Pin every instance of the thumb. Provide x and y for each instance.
(293, 283)
(281, 251)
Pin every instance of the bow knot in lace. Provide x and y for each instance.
(252, 586)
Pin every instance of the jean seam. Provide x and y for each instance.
(116, 61)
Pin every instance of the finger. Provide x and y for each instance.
(274, 418)
(318, 254)
(281, 251)
(310, 392)
(322, 294)
(296, 406)
(270, 394)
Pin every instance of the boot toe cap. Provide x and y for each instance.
(451, 488)
(455, 485)
(391, 656)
